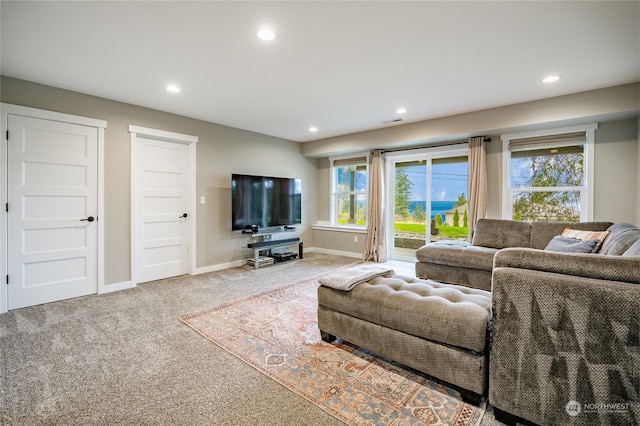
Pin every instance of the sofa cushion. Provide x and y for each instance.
(621, 238)
(497, 233)
(543, 232)
(571, 245)
(457, 253)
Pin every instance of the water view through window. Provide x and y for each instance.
(430, 202)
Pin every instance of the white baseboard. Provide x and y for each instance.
(219, 267)
(335, 252)
(110, 288)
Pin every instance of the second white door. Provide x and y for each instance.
(162, 206)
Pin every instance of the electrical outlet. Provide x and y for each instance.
(355, 238)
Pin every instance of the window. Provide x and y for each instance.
(549, 175)
(427, 193)
(349, 177)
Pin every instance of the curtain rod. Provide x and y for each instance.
(430, 146)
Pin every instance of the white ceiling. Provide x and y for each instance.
(341, 66)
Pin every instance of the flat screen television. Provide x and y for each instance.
(265, 201)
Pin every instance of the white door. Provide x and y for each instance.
(162, 205)
(52, 211)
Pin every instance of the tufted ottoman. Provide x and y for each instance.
(438, 329)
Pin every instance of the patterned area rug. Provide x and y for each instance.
(277, 333)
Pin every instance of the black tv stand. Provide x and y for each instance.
(274, 243)
(261, 245)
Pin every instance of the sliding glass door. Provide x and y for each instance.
(428, 199)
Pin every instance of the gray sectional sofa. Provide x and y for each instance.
(471, 264)
(559, 330)
(565, 327)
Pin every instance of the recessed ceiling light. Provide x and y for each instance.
(401, 110)
(313, 129)
(266, 34)
(551, 78)
(173, 88)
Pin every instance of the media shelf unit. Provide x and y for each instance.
(262, 241)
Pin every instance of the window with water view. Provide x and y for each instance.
(430, 202)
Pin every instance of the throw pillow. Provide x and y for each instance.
(620, 239)
(587, 235)
(634, 250)
(571, 245)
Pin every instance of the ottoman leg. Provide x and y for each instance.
(471, 397)
(508, 418)
(327, 337)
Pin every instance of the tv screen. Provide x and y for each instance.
(265, 201)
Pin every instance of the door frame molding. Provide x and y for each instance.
(10, 109)
(166, 136)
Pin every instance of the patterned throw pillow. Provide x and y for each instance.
(587, 235)
(571, 245)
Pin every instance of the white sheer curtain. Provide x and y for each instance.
(477, 182)
(375, 247)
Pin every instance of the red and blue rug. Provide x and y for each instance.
(276, 332)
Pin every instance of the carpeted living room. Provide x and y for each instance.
(125, 358)
(320, 213)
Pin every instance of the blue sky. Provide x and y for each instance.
(448, 181)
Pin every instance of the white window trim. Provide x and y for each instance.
(586, 205)
(427, 154)
(332, 189)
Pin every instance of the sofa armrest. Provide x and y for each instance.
(596, 266)
(560, 338)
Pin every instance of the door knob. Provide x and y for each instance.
(89, 219)
(183, 216)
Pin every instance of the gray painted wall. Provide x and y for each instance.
(616, 192)
(617, 188)
(221, 151)
(580, 108)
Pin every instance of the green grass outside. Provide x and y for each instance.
(420, 228)
(345, 222)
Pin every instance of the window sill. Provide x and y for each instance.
(339, 228)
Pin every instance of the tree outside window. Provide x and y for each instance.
(547, 184)
(350, 191)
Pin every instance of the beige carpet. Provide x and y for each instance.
(123, 358)
(277, 333)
